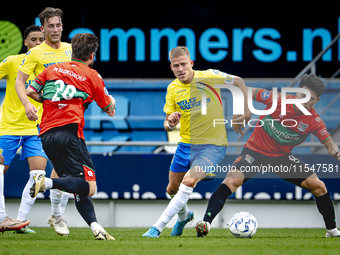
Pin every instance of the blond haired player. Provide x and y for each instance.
(201, 144)
(50, 52)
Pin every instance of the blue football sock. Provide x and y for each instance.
(216, 202)
(85, 208)
(326, 208)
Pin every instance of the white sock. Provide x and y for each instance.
(175, 205)
(26, 200)
(64, 201)
(183, 213)
(95, 226)
(2, 198)
(48, 183)
(55, 197)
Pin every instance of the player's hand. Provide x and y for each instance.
(31, 112)
(336, 154)
(111, 114)
(332, 149)
(239, 122)
(174, 118)
(237, 127)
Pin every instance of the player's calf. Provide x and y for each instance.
(314, 185)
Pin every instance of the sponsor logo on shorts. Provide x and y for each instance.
(294, 159)
(249, 158)
(89, 173)
(238, 159)
(208, 161)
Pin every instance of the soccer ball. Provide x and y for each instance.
(243, 224)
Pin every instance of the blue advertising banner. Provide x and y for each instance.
(145, 176)
(249, 40)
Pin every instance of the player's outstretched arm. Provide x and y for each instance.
(171, 121)
(21, 91)
(332, 149)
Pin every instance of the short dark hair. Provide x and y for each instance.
(50, 12)
(32, 28)
(83, 44)
(312, 82)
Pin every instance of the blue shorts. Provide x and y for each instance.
(31, 146)
(202, 155)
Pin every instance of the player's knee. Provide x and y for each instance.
(93, 188)
(189, 182)
(233, 183)
(316, 187)
(91, 193)
(319, 189)
(171, 190)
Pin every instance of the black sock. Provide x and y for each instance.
(216, 202)
(326, 208)
(72, 185)
(85, 208)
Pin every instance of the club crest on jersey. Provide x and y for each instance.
(265, 95)
(302, 126)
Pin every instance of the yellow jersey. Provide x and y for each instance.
(42, 56)
(197, 128)
(14, 120)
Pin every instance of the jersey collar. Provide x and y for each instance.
(78, 60)
(298, 112)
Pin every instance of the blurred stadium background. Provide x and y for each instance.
(132, 152)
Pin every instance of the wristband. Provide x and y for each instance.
(172, 128)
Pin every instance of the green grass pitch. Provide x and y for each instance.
(130, 241)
